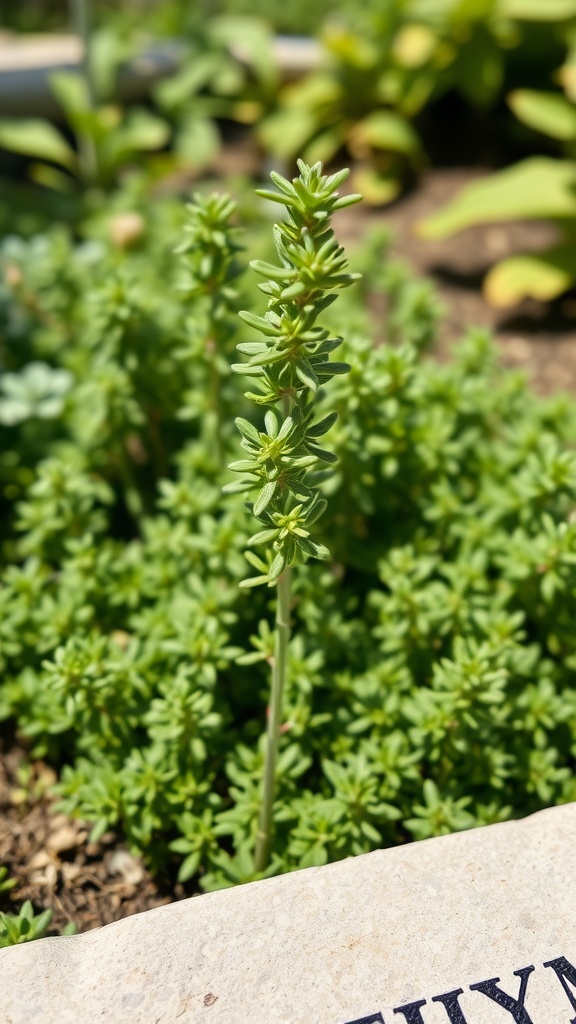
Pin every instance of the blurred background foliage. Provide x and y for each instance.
(393, 86)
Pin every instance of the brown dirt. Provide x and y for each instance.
(540, 338)
(91, 884)
(56, 866)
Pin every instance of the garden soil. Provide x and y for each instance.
(92, 884)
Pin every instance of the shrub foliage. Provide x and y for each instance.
(431, 671)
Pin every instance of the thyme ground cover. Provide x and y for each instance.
(430, 679)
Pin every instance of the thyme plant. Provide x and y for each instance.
(208, 255)
(285, 463)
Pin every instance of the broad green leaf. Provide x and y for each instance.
(325, 144)
(141, 131)
(193, 76)
(350, 47)
(386, 130)
(51, 177)
(286, 132)
(109, 49)
(537, 10)
(537, 187)
(377, 189)
(541, 276)
(547, 112)
(197, 140)
(36, 138)
(414, 45)
(250, 41)
(71, 91)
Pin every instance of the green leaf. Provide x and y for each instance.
(541, 276)
(265, 497)
(263, 537)
(322, 426)
(332, 367)
(71, 91)
(385, 130)
(277, 567)
(253, 581)
(547, 112)
(252, 348)
(255, 561)
(306, 374)
(141, 131)
(271, 271)
(538, 187)
(243, 466)
(197, 141)
(377, 189)
(247, 429)
(240, 486)
(38, 139)
(259, 323)
(323, 455)
(248, 370)
(271, 423)
(537, 10)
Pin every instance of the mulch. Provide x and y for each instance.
(92, 884)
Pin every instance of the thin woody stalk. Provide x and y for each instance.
(279, 672)
(285, 464)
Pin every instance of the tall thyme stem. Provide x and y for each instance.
(279, 672)
(279, 668)
(285, 461)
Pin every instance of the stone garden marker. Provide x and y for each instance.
(475, 928)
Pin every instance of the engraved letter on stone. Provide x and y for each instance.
(514, 1006)
(566, 973)
(450, 1003)
(411, 1012)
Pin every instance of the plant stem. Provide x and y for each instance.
(264, 837)
(81, 20)
(214, 417)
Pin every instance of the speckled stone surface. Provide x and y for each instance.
(456, 930)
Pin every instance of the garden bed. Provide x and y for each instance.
(91, 884)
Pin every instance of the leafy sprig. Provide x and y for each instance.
(285, 462)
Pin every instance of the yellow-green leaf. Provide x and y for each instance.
(376, 189)
(547, 112)
(535, 188)
(541, 276)
(414, 45)
(36, 138)
(537, 10)
(385, 130)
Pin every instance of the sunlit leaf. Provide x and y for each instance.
(36, 138)
(547, 112)
(541, 276)
(537, 187)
